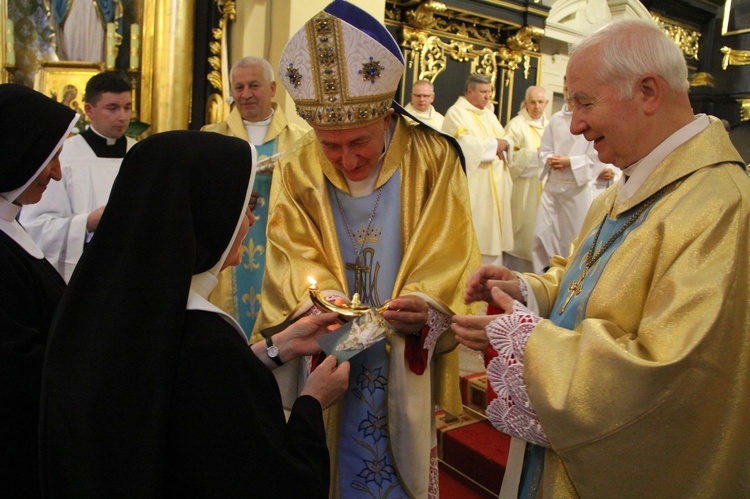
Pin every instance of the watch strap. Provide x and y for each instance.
(273, 351)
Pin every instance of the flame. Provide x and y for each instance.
(313, 282)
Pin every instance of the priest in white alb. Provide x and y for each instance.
(479, 133)
(422, 97)
(571, 165)
(66, 218)
(524, 132)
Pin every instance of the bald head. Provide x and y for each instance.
(535, 101)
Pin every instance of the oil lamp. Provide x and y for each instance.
(346, 311)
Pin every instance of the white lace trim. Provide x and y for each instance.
(434, 487)
(511, 411)
(524, 289)
(437, 322)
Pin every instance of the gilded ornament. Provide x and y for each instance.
(371, 70)
(326, 56)
(687, 39)
(424, 16)
(745, 110)
(734, 57)
(330, 86)
(524, 39)
(323, 26)
(702, 79)
(216, 110)
(293, 75)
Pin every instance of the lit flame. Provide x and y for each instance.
(313, 282)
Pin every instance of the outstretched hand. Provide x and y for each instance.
(470, 330)
(301, 338)
(407, 314)
(487, 277)
(328, 382)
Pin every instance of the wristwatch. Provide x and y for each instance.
(273, 351)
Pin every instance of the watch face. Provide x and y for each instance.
(272, 351)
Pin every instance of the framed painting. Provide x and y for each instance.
(65, 82)
(736, 17)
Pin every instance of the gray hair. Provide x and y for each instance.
(251, 61)
(475, 79)
(631, 48)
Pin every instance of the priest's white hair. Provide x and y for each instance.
(631, 48)
(252, 61)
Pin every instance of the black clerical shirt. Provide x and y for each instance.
(98, 144)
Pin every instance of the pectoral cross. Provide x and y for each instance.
(574, 289)
(358, 269)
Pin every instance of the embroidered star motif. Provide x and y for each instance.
(371, 70)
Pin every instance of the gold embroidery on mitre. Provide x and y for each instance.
(334, 107)
(293, 74)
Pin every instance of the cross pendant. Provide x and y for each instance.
(574, 289)
(358, 268)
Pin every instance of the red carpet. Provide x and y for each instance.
(454, 486)
(479, 451)
(473, 455)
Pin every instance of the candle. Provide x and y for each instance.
(111, 48)
(135, 47)
(10, 43)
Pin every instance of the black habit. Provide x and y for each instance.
(143, 398)
(32, 130)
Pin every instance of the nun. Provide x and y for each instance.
(148, 389)
(32, 130)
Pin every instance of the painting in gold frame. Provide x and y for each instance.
(65, 82)
(736, 17)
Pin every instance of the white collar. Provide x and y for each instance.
(427, 112)
(637, 173)
(264, 122)
(110, 140)
(202, 284)
(200, 287)
(9, 225)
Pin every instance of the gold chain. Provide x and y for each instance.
(576, 287)
(358, 252)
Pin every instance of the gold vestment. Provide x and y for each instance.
(439, 252)
(649, 396)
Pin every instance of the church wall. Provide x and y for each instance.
(262, 27)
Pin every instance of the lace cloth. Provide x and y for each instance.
(437, 323)
(511, 411)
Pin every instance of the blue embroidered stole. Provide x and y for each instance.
(365, 461)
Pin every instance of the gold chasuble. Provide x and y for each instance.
(439, 252)
(656, 375)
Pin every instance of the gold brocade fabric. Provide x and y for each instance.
(650, 395)
(225, 294)
(439, 252)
